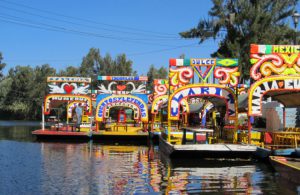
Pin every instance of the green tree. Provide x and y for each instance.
(23, 91)
(38, 92)
(243, 22)
(2, 65)
(5, 86)
(70, 71)
(123, 66)
(91, 65)
(154, 73)
(17, 101)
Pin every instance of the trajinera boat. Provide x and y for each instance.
(289, 168)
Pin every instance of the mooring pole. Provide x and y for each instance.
(169, 130)
(43, 118)
(249, 129)
(284, 118)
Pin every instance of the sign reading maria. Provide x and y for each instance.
(275, 68)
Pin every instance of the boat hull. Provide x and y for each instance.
(50, 135)
(288, 168)
(141, 138)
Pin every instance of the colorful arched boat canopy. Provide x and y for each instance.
(284, 89)
(52, 98)
(133, 106)
(68, 89)
(217, 94)
(160, 101)
(72, 105)
(104, 100)
(276, 69)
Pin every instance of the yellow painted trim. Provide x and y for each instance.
(155, 102)
(284, 163)
(198, 85)
(186, 104)
(259, 82)
(69, 96)
(144, 119)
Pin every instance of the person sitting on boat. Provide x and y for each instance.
(78, 111)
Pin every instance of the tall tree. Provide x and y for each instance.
(243, 22)
(123, 66)
(70, 71)
(154, 73)
(24, 90)
(38, 92)
(17, 100)
(91, 65)
(2, 65)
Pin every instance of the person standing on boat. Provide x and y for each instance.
(78, 111)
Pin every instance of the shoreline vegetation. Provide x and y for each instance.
(23, 89)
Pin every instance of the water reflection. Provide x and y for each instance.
(88, 168)
(17, 130)
(210, 176)
(98, 169)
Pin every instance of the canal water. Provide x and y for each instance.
(31, 167)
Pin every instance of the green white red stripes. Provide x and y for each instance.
(262, 49)
(179, 62)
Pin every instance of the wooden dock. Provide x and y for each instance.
(226, 151)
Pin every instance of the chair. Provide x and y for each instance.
(85, 119)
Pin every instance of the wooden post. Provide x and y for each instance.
(152, 122)
(249, 130)
(236, 122)
(284, 116)
(184, 136)
(169, 131)
(43, 117)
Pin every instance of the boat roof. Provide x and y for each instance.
(288, 98)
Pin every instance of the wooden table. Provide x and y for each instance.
(195, 130)
(116, 127)
(72, 125)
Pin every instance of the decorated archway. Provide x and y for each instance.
(72, 105)
(203, 90)
(134, 107)
(49, 99)
(161, 100)
(129, 99)
(280, 88)
(158, 102)
(276, 71)
(208, 72)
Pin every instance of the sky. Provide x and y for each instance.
(60, 33)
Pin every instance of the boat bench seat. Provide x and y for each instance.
(176, 141)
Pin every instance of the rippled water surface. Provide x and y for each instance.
(30, 167)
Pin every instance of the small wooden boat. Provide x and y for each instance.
(289, 168)
(288, 152)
